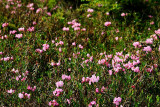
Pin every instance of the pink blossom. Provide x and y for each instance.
(107, 23)
(34, 23)
(102, 89)
(20, 95)
(147, 49)
(97, 91)
(27, 95)
(93, 79)
(152, 23)
(61, 42)
(45, 47)
(30, 29)
(83, 79)
(123, 14)
(4, 24)
(90, 10)
(30, 5)
(110, 72)
(39, 50)
(107, 13)
(7, 6)
(38, 10)
(116, 38)
(54, 103)
(159, 48)
(12, 32)
(65, 29)
(76, 28)
(135, 69)
(89, 15)
(59, 84)
(80, 46)
(154, 36)
(18, 36)
(83, 29)
(57, 92)
(91, 103)
(69, 102)
(10, 91)
(149, 41)
(73, 43)
(49, 13)
(66, 77)
(21, 29)
(157, 31)
(136, 44)
(117, 100)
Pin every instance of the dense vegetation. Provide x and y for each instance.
(79, 53)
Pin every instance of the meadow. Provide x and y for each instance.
(79, 53)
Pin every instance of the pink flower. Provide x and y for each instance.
(4, 24)
(83, 79)
(12, 32)
(18, 36)
(117, 100)
(1, 53)
(157, 31)
(74, 43)
(80, 46)
(57, 92)
(84, 29)
(59, 84)
(66, 77)
(7, 6)
(69, 102)
(39, 50)
(154, 36)
(107, 13)
(136, 44)
(38, 10)
(135, 69)
(49, 13)
(30, 5)
(10, 91)
(116, 38)
(30, 29)
(61, 42)
(147, 49)
(89, 15)
(159, 48)
(152, 23)
(76, 28)
(54, 103)
(90, 10)
(149, 41)
(93, 79)
(65, 29)
(110, 72)
(102, 89)
(34, 23)
(29, 88)
(21, 29)
(92, 103)
(45, 47)
(97, 91)
(107, 23)
(20, 95)
(123, 14)
(28, 95)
